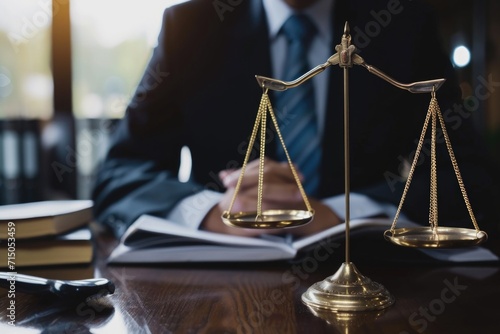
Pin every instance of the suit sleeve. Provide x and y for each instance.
(139, 174)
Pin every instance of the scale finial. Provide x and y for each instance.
(347, 30)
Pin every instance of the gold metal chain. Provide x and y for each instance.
(434, 113)
(247, 155)
(262, 155)
(455, 166)
(433, 207)
(261, 122)
(290, 163)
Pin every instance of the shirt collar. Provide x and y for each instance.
(277, 12)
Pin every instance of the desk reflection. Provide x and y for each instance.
(260, 298)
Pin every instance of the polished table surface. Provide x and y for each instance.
(263, 298)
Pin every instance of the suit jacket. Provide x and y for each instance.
(199, 90)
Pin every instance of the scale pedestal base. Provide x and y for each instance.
(347, 322)
(347, 291)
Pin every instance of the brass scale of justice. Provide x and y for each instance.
(348, 290)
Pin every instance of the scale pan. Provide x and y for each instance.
(439, 237)
(268, 219)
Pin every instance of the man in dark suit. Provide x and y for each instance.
(199, 91)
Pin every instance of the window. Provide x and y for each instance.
(26, 88)
(112, 41)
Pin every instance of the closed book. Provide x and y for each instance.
(44, 218)
(74, 247)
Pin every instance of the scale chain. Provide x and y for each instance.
(433, 207)
(261, 122)
(434, 113)
(455, 165)
(247, 156)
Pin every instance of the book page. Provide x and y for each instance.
(150, 234)
(42, 209)
(383, 223)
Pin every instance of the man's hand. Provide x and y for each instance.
(280, 191)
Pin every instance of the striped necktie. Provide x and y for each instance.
(296, 107)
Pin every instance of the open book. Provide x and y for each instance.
(155, 240)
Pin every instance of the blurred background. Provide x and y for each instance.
(69, 67)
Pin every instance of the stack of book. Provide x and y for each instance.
(46, 233)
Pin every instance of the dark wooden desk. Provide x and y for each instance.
(262, 298)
